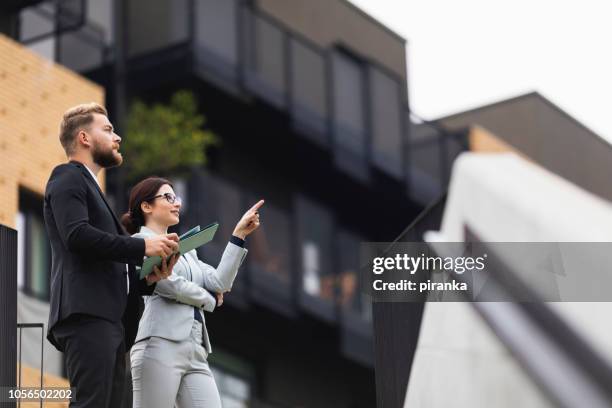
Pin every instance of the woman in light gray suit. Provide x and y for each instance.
(169, 359)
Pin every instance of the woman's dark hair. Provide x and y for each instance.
(141, 192)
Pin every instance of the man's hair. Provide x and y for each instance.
(74, 120)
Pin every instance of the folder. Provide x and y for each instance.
(192, 239)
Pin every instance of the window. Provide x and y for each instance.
(100, 15)
(82, 49)
(84, 28)
(215, 200)
(386, 119)
(36, 262)
(37, 23)
(153, 28)
(270, 244)
(351, 297)
(265, 58)
(315, 228)
(309, 91)
(216, 35)
(349, 124)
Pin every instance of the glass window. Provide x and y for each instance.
(215, 200)
(100, 15)
(265, 58)
(38, 257)
(153, 28)
(315, 228)
(83, 49)
(35, 22)
(351, 297)
(216, 32)
(71, 14)
(386, 116)
(349, 128)
(270, 244)
(308, 90)
(37, 252)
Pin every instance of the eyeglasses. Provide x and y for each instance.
(171, 198)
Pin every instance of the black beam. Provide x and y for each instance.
(9, 23)
(16, 5)
(8, 309)
(397, 325)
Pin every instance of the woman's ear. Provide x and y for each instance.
(145, 207)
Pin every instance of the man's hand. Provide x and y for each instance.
(161, 245)
(165, 271)
(219, 299)
(249, 221)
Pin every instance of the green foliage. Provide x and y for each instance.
(165, 139)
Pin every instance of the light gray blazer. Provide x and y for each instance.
(168, 311)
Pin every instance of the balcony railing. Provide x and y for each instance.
(20, 327)
(329, 95)
(64, 32)
(349, 104)
(301, 250)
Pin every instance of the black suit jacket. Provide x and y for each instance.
(90, 250)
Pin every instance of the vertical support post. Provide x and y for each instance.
(8, 309)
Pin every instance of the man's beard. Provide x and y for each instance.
(105, 159)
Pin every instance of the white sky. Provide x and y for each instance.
(467, 53)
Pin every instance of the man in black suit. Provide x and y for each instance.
(94, 286)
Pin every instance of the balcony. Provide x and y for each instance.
(73, 33)
(337, 99)
(333, 97)
(301, 260)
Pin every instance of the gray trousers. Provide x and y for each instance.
(166, 372)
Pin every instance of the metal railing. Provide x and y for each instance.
(78, 43)
(242, 49)
(246, 51)
(20, 327)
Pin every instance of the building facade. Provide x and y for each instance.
(34, 93)
(309, 101)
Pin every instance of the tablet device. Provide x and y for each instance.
(192, 239)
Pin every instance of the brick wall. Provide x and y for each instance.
(34, 93)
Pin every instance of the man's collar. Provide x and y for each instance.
(92, 174)
(88, 169)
